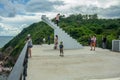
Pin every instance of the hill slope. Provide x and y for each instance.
(38, 31)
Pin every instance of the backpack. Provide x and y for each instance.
(61, 46)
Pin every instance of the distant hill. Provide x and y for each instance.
(78, 26)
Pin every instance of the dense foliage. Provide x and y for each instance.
(81, 27)
(78, 26)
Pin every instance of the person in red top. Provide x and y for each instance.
(93, 43)
(57, 18)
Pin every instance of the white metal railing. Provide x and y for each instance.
(19, 71)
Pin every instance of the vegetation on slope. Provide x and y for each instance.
(38, 31)
(81, 27)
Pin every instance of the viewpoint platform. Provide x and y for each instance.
(77, 64)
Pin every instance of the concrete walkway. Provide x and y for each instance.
(79, 64)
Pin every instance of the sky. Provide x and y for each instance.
(18, 14)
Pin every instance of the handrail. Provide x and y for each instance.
(49, 22)
(19, 70)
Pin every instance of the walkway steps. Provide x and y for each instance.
(68, 41)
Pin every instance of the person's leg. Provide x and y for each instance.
(57, 22)
(60, 52)
(94, 46)
(30, 52)
(49, 42)
(105, 45)
(91, 44)
(56, 45)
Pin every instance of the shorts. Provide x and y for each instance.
(93, 44)
(30, 46)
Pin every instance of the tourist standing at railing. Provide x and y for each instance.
(30, 45)
(49, 40)
(57, 19)
(56, 42)
(104, 42)
(89, 40)
(93, 43)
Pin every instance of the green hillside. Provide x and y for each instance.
(38, 31)
(78, 26)
(81, 27)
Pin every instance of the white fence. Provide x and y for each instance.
(116, 45)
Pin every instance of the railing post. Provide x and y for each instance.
(21, 77)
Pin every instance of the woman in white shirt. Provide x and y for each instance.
(30, 45)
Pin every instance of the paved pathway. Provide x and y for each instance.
(79, 64)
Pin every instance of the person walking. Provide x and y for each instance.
(89, 40)
(104, 42)
(56, 42)
(57, 19)
(48, 40)
(93, 43)
(61, 49)
(30, 45)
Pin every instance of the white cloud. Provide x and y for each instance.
(21, 19)
(8, 30)
(15, 16)
(55, 6)
(16, 24)
(87, 3)
(42, 5)
(97, 3)
(8, 9)
(101, 7)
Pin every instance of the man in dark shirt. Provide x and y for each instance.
(61, 49)
(104, 42)
(49, 40)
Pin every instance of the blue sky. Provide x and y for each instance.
(18, 14)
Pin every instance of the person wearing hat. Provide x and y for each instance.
(30, 45)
